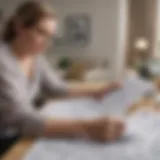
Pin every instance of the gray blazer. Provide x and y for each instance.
(17, 114)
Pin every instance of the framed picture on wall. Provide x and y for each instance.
(78, 29)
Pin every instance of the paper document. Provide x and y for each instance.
(140, 142)
(135, 144)
(114, 103)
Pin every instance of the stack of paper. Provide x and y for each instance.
(132, 91)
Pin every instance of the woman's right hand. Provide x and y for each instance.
(101, 129)
(104, 129)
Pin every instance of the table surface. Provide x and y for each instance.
(18, 150)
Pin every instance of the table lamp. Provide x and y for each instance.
(141, 46)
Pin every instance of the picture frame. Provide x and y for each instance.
(78, 29)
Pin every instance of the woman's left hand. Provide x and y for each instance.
(100, 93)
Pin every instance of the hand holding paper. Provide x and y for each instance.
(98, 94)
(104, 129)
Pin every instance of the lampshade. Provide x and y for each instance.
(141, 44)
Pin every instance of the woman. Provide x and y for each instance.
(24, 74)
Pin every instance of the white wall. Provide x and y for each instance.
(157, 33)
(109, 23)
(108, 28)
(120, 56)
(104, 16)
